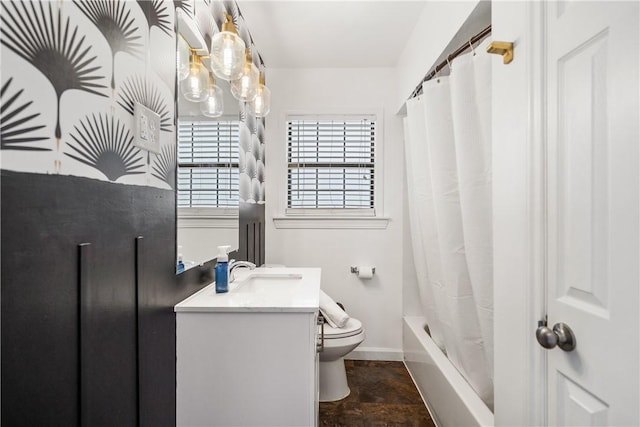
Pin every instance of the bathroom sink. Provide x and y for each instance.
(269, 282)
(263, 289)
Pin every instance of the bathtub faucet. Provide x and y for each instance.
(234, 265)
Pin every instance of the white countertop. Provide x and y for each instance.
(297, 290)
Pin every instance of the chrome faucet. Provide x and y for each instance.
(233, 265)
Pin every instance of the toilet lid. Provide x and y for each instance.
(353, 327)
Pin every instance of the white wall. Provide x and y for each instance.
(377, 302)
(381, 302)
(517, 217)
(437, 25)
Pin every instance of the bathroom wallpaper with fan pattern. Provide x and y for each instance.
(88, 219)
(72, 72)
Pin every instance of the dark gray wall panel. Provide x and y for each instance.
(123, 346)
(252, 232)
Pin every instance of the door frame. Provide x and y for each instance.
(519, 213)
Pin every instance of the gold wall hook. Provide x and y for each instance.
(502, 48)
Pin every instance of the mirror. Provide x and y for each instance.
(207, 163)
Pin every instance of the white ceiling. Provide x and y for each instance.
(331, 34)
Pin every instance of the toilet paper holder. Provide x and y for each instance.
(356, 270)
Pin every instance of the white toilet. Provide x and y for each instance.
(338, 342)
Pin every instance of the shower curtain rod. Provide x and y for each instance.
(459, 51)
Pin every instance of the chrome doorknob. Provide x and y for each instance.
(545, 336)
(561, 335)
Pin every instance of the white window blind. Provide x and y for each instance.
(331, 162)
(208, 164)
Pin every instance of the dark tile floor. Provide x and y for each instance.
(382, 395)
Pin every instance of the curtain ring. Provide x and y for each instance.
(449, 64)
(472, 49)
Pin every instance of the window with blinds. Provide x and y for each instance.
(208, 164)
(331, 162)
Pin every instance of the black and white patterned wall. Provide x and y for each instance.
(251, 158)
(71, 73)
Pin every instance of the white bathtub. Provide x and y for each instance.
(450, 399)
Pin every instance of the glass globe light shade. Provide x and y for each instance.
(182, 58)
(213, 105)
(261, 104)
(194, 87)
(245, 87)
(227, 52)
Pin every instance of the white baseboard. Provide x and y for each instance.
(376, 353)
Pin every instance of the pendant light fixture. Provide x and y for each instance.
(245, 87)
(227, 51)
(213, 105)
(261, 104)
(194, 87)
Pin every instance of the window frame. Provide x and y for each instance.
(334, 217)
(206, 216)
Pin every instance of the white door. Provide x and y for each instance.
(593, 222)
(566, 211)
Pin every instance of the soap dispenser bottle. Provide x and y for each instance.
(222, 270)
(180, 264)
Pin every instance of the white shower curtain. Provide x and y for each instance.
(448, 160)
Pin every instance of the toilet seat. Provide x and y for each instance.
(353, 327)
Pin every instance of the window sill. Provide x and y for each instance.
(208, 222)
(355, 222)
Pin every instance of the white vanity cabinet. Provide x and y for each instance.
(248, 359)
